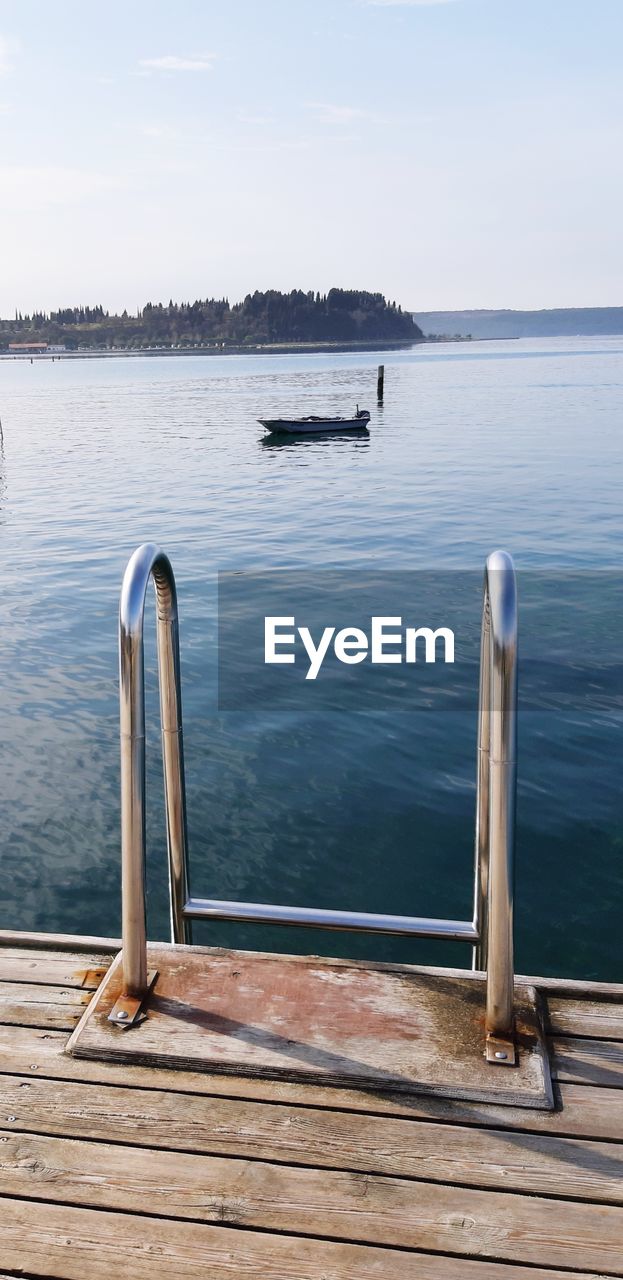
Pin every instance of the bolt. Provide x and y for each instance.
(501, 1053)
(123, 1013)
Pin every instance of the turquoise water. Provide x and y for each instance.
(513, 444)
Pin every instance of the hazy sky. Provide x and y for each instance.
(450, 153)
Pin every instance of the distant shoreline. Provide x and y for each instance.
(552, 322)
(268, 348)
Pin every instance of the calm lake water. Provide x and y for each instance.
(512, 444)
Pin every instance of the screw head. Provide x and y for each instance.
(501, 1053)
(122, 1015)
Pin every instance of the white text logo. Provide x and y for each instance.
(388, 642)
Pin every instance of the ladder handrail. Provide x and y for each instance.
(149, 561)
(496, 790)
(490, 931)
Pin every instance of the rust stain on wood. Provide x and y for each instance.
(90, 978)
(258, 1014)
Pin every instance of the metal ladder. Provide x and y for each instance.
(491, 929)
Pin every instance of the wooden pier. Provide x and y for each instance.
(113, 1170)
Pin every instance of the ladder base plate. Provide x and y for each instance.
(325, 1022)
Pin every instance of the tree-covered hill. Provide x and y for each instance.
(341, 315)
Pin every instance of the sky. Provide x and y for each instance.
(448, 153)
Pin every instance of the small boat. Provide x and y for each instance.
(312, 423)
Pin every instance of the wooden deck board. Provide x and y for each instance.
(67, 1242)
(586, 1061)
(350, 1206)
(64, 970)
(586, 1111)
(599, 1018)
(115, 1169)
(525, 1162)
(27, 1004)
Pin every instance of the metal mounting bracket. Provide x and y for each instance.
(128, 1011)
(501, 1051)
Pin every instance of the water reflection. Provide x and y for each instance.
(274, 440)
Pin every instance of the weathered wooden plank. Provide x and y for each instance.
(579, 988)
(65, 954)
(52, 969)
(50, 1016)
(598, 1062)
(599, 1019)
(324, 1203)
(40, 993)
(59, 941)
(586, 1111)
(478, 1157)
(36, 1005)
(302, 1018)
(65, 1243)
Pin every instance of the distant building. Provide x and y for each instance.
(28, 346)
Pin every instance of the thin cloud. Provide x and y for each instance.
(331, 113)
(171, 62)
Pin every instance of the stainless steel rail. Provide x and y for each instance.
(490, 931)
(496, 791)
(322, 918)
(149, 561)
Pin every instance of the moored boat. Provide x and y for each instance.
(313, 423)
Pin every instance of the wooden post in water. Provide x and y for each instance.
(380, 383)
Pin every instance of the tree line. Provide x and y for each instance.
(341, 315)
